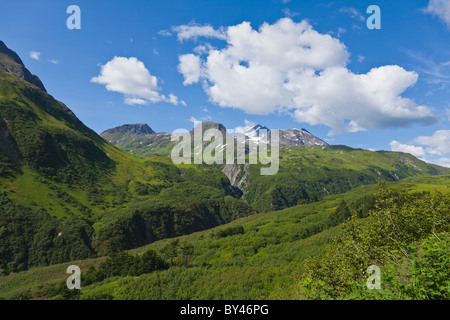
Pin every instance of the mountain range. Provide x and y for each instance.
(129, 136)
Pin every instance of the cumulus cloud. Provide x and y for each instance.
(288, 66)
(438, 144)
(190, 67)
(130, 77)
(441, 9)
(352, 102)
(194, 31)
(415, 151)
(203, 48)
(35, 55)
(435, 148)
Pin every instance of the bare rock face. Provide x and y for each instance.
(237, 174)
(299, 137)
(10, 62)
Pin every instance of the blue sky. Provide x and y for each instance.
(283, 64)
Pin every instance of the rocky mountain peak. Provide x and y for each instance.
(11, 62)
(131, 129)
(299, 137)
(211, 125)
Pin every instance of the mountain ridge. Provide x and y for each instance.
(127, 139)
(11, 62)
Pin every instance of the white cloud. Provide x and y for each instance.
(340, 32)
(407, 148)
(288, 13)
(35, 55)
(194, 31)
(190, 67)
(433, 72)
(438, 144)
(353, 13)
(441, 9)
(135, 101)
(164, 33)
(435, 148)
(361, 58)
(345, 101)
(204, 118)
(291, 67)
(445, 162)
(194, 120)
(130, 77)
(54, 61)
(203, 48)
(174, 100)
(243, 129)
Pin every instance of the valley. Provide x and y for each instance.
(141, 227)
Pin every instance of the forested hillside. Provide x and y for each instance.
(319, 250)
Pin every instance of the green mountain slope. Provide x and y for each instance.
(66, 193)
(309, 173)
(305, 173)
(263, 256)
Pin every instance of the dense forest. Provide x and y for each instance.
(319, 250)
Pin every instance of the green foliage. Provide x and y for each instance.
(389, 237)
(51, 141)
(123, 264)
(79, 182)
(170, 251)
(187, 250)
(339, 216)
(184, 208)
(33, 238)
(272, 255)
(309, 173)
(421, 275)
(230, 231)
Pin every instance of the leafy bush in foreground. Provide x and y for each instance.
(406, 235)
